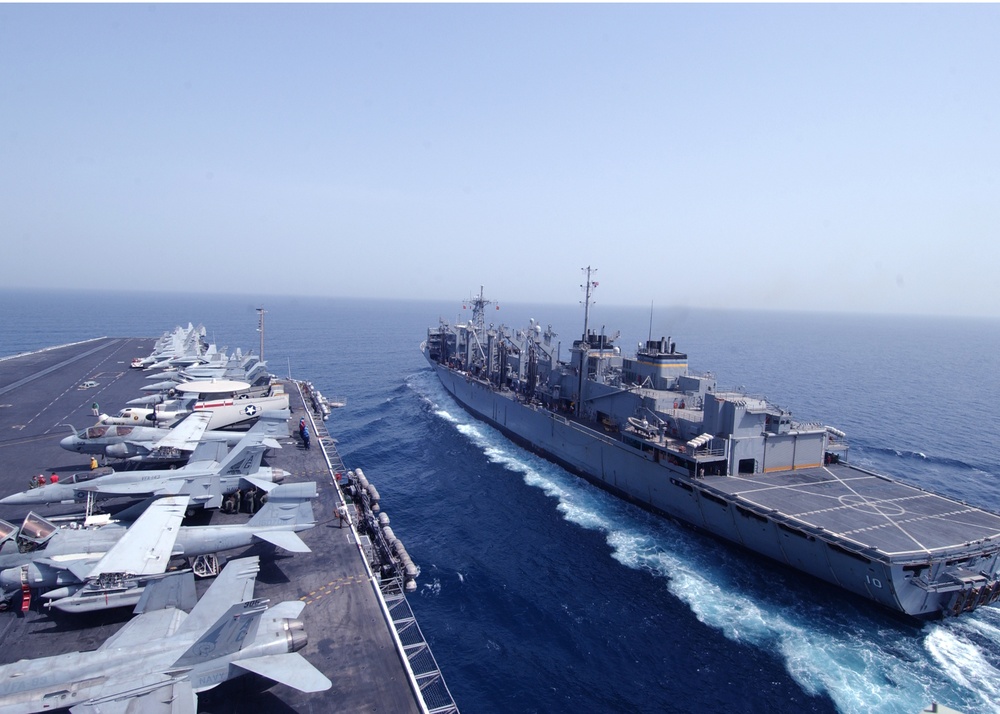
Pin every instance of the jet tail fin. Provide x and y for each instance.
(287, 504)
(234, 584)
(288, 540)
(236, 626)
(243, 459)
(208, 451)
(272, 423)
(291, 668)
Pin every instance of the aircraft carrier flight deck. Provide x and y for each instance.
(361, 633)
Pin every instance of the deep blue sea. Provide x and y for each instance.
(539, 592)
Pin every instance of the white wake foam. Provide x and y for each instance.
(862, 667)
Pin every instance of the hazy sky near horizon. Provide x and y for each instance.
(793, 157)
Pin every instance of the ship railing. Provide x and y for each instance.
(687, 413)
(712, 453)
(329, 447)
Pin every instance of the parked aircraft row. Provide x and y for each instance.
(244, 368)
(182, 346)
(160, 444)
(163, 657)
(83, 569)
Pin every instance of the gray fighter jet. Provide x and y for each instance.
(86, 569)
(206, 480)
(161, 659)
(180, 347)
(151, 444)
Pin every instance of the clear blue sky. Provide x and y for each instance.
(805, 157)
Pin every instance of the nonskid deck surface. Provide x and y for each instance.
(349, 640)
(892, 517)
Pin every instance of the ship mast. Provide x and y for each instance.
(479, 325)
(588, 287)
(479, 311)
(260, 329)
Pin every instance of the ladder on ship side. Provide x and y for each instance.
(433, 689)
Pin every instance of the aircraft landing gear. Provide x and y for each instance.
(206, 566)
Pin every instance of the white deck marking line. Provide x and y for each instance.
(865, 501)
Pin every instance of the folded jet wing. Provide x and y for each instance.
(187, 435)
(226, 635)
(146, 547)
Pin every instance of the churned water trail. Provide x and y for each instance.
(863, 664)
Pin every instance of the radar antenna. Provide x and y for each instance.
(479, 311)
(588, 288)
(260, 329)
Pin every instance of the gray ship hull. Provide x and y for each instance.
(907, 549)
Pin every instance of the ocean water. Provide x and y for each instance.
(541, 593)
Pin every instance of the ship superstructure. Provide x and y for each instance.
(649, 430)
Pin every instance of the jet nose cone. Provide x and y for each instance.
(70, 443)
(15, 499)
(50, 493)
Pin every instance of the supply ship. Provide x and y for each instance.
(651, 431)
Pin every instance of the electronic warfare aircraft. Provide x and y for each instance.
(85, 569)
(151, 444)
(162, 658)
